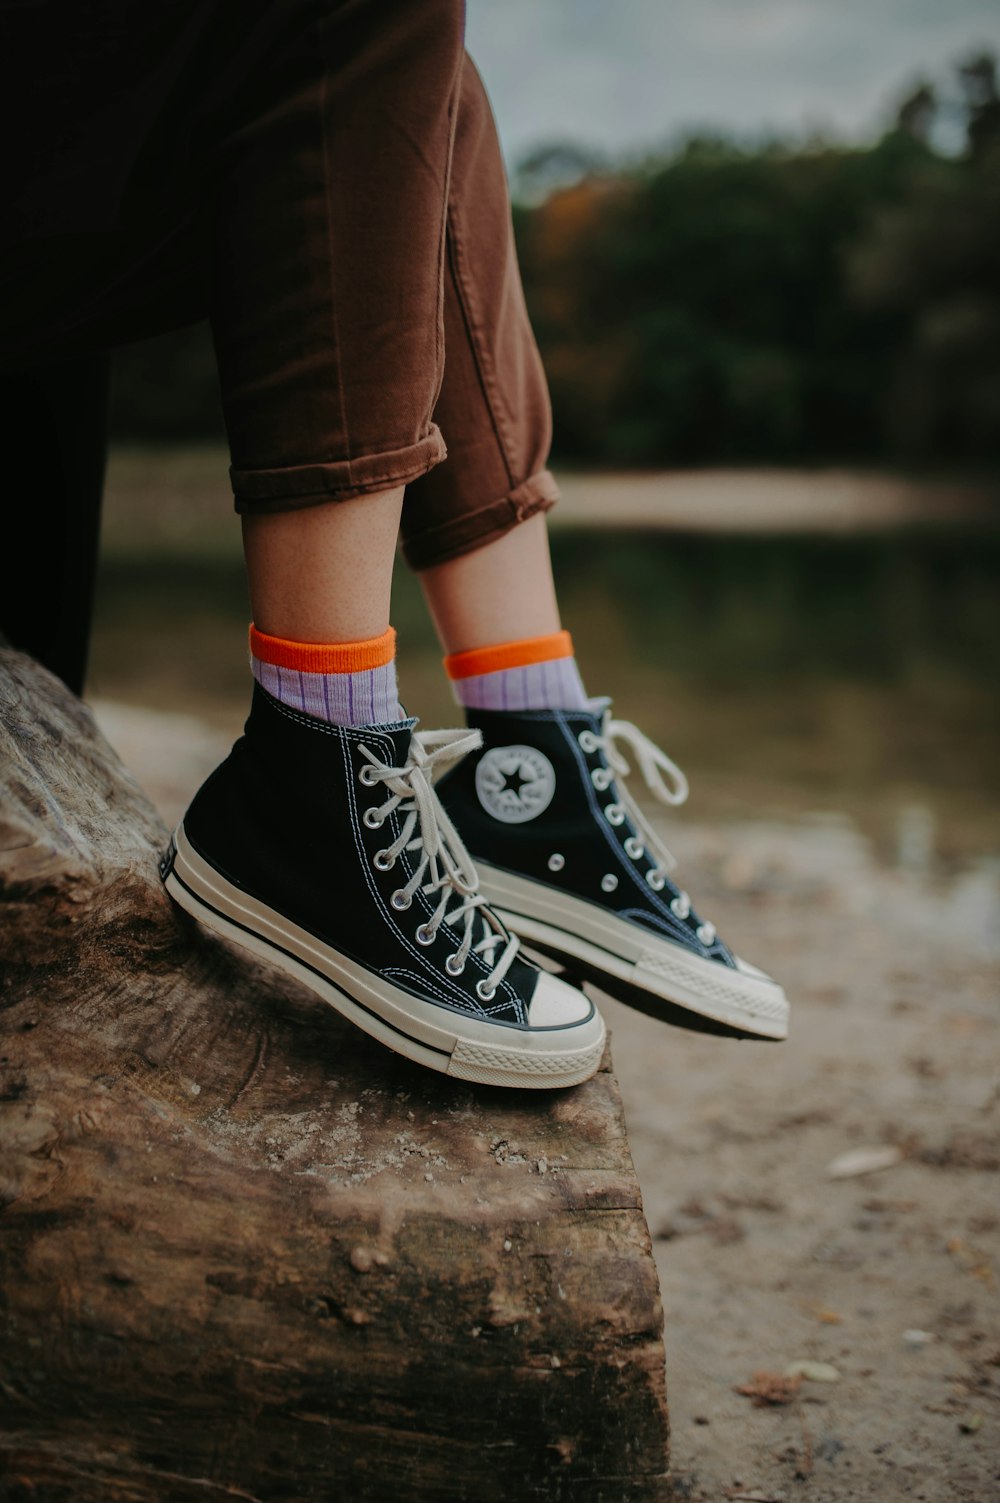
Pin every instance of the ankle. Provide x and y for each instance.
(534, 673)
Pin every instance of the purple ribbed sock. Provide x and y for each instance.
(367, 697)
(551, 685)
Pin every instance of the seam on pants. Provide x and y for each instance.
(440, 351)
(486, 378)
(334, 319)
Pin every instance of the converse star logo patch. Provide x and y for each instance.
(515, 783)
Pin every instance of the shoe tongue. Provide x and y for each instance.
(399, 732)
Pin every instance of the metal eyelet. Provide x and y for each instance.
(656, 882)
(425, 935)
(367, 775)
(609, 883)
(400, 899)
(706, 933)
(383, 862)
(454, 966)
(372, 819)
(614, 814)
(485, 993)
(634, 848)
(679, 908)
(601, 778)
(556, 862)
(588, 741)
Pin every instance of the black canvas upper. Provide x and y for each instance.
(283, 819)
(573, 824)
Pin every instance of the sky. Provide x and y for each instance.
(623, 74)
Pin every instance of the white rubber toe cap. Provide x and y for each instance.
(556, 1004)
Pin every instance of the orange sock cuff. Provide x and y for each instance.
(458, 665)
(324, 657)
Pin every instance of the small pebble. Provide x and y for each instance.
(970, 1425)
(917, 1338)
(864, 1161)
(813, 1372)
(508, 1244)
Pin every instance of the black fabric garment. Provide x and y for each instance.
(101, 102)
(53, 425)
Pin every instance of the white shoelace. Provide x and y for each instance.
(652, 764)
(444, 867)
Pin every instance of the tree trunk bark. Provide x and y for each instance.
(248, 1254)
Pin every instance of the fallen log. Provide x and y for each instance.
(247, 1253)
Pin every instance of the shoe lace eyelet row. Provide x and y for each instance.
(652, 762)
(441, 861)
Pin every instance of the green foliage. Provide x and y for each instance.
(732, 305)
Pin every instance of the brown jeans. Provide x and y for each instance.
(322, 180)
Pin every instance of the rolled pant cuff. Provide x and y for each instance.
(485, 524)
(295, 486)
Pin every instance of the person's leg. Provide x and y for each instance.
(328, 337)
(320, 842)
(47, 581)
(561, 847)
(320, 581)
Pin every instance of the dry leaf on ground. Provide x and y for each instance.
(765, 1388)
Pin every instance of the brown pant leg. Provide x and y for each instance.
(329, 203)
(494, 407)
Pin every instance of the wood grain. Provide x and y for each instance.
(246, 1253)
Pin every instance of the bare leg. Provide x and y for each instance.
(324, 573)
(499, 593)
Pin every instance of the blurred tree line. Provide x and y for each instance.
(727, 305)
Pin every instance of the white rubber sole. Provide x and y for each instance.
(609, 949)
(488, 1053)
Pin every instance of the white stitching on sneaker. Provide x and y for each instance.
(459, 996)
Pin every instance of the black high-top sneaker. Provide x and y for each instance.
(572, 866)
(325, 851)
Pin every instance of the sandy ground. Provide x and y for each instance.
(888, 1277)
(193, 500)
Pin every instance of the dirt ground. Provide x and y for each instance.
(770, 1254)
